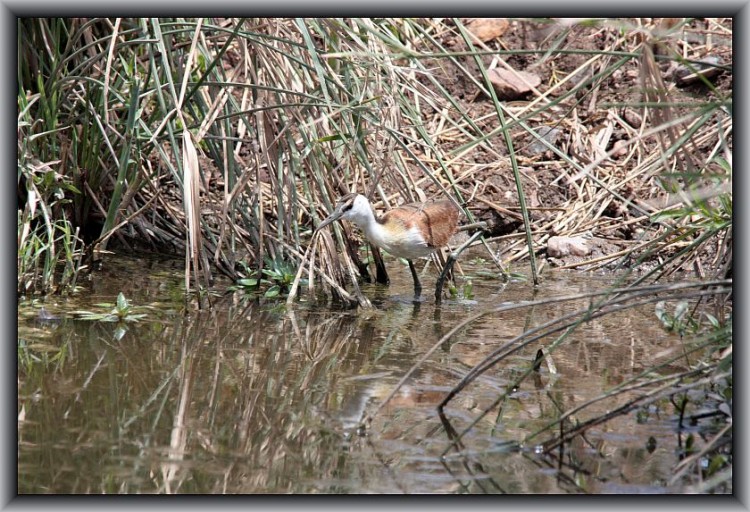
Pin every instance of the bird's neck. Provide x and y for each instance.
(368, 223)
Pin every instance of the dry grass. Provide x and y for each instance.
(287, 115)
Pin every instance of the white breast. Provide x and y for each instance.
(409, 244)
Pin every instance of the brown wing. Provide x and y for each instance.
(436, 219)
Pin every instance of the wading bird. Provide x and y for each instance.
(410, 231)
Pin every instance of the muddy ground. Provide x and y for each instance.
(546, 176)
(600, 214)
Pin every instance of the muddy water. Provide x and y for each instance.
(256, 397)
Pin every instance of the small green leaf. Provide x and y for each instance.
(468, 290)
(272, 291)
(488, 274)
(680, 310)
(727, 393)
(717, 462)
(661, 313)
(120, 332)
(690, 444)
(122, 302)
(712, 320)
(515, 276)
(329, 138)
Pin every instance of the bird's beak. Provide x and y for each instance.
(336, 215)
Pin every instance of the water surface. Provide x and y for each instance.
(252, 396)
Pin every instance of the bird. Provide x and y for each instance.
(409, 231)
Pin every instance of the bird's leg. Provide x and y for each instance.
(381, 275)
(452, 257)
(417, 285)
(443, 275)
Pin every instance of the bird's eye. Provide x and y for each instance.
(347, 207)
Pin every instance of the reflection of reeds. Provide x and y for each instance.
(239, 398)
(230, 400)
(656, 383)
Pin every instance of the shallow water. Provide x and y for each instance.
(253, 396)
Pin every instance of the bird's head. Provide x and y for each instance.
(352, 207)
